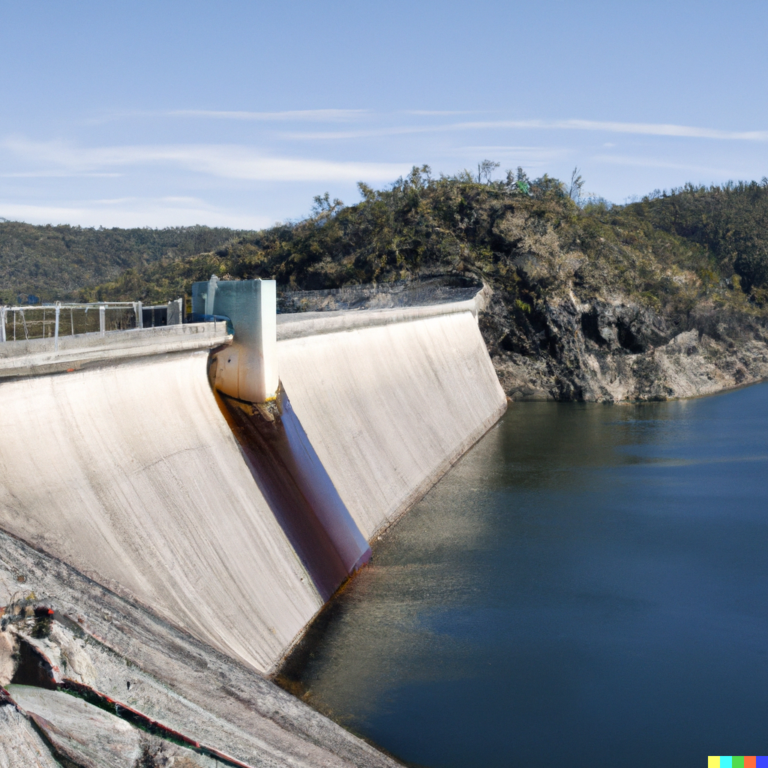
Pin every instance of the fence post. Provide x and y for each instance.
(174, 312)
(102, 319)
(56, 328)
(3, 311)
(210, 298)
(139, 314)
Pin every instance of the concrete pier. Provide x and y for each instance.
(248, 368)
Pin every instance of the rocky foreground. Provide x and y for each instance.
(89, 679)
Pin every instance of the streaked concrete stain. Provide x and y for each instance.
(298, 490)
(131, 474)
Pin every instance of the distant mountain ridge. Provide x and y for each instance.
(667, 297)
(57, 262)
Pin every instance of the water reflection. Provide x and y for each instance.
(588, 586)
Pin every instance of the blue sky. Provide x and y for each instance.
(237, 113)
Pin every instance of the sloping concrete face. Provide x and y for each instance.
(389, 408)
(130, 474)
(301, 495)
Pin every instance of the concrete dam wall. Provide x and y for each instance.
(233, 520)
(389, 400)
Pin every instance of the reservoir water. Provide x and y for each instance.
(587, 587)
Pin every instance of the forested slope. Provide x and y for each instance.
(56, 262)
(454, 225)
(730, 221)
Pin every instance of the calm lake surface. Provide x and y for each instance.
(587, 587)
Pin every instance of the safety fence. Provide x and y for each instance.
(65, 319)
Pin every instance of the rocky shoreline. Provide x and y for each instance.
(614, 350)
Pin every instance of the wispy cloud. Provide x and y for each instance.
(520, 154)
(380, 124)
(656, 129)
(57, 174)
(132, 212)
(301, 115)
(366, 133)
(220, 160)
(438, 112)
(650, 162)
(241, 173)
(643, 129)
(236, 115)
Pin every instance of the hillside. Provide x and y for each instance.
(422, 226)
(730, 221)
(55, 262)
(587, 302)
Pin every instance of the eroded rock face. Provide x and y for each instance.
(20, 745)
(573, 346)
(605, 348)
(78, 637)
(8, 657)
(614, 349)
(92, 738)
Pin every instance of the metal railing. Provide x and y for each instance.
(71, 319)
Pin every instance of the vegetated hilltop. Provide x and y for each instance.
(55, 262)
(662, 298)
(731, 221)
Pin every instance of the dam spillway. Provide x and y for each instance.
(128, 469)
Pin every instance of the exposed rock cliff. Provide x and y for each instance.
(614, 349)
(608, 349)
